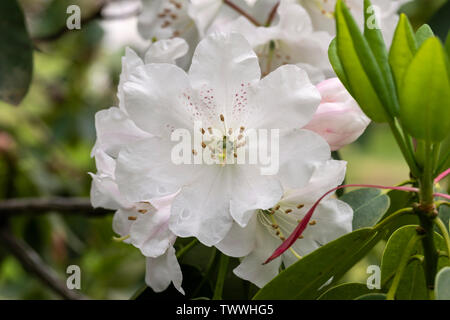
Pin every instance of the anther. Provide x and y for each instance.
(275, 226)
(277, 207)
(203, 145)
(132, 218)
(300, 206)
(288, 211)
(210, 130)
(142, 211)
(241, 129)
(222, 118)
(282, 238)
(312, 222)
(194, 152)
(300, 236)
(202, 131)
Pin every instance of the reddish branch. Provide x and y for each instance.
(242, 12)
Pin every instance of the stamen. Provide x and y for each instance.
(132, 218)
(312, 222)
(120, 239)
(142, 211)
(288, 210)
(203, 145)
(222, 118)
(300, 206)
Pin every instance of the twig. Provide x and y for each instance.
(242, 12)
(43, 205)
(272, 14)
(33, 263)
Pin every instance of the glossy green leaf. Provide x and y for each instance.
(412, 284)
(346, 291)
(442, 284)
(16, 60)
(402, 50)
(304, 279)
(425, 94)
(423, 33)
(336, 63)
(356, 58)
(375, 40)
(368, 205)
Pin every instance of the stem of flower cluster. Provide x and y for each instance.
(223, 268)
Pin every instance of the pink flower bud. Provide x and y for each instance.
(338, 119)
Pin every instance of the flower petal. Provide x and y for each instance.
(145, 170)
(300, 151)
(166, 51)
(156, 98)
(284, 99)
(161, 271)
(239, 241)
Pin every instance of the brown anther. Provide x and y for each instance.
(282, 238)
(241, 129)
(300, 236)
(202, 131)
(277, 233)
(142, 211)
(275, 226)
(312, 222)
(194, 152)
(300, 206)
(203, 145)
(132, 218)
(277, 207)
(222, 118)
(288, 210)
(235, 155)
(210, 130)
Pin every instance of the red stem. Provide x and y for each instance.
(242, 12)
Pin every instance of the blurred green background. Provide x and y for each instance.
(45, 146)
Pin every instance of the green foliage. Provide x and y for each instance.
(443, 284)
(359, 65)
(16, 53)
(422, 34)
(368, 206)
(346, 291)
(412, 283)
(425, 94)
(402, 50)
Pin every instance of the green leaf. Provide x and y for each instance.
(423, 33)
(346, 291)
(16, 53)
(375, 39)
(372, 296)
(447, 44)
(304, 279)
(442, 284)
(412, 284)
(352, 49)
(336, 63)
(368, 205)
(402, 50)
(425, 94)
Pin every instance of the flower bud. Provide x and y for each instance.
(338, 119)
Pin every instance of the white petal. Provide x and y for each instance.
(326, 176)
(115, 130)
(161, 271)
(156, 98)
(105, 193)
(166, 51)
(282, 100)
(121, 224)
(129, 62)
(203, 13)
(300, 151)
(239, 241)
(145, 170)
(252, 191)
(252, 268)
(223, 65)
(150, 232)
(202, 209)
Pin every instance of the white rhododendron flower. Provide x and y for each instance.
(339, 119)
(268, 228)
(291, 40)
(142, 223)
(223, 90)
(322, 14)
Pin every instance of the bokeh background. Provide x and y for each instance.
(45, 146)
